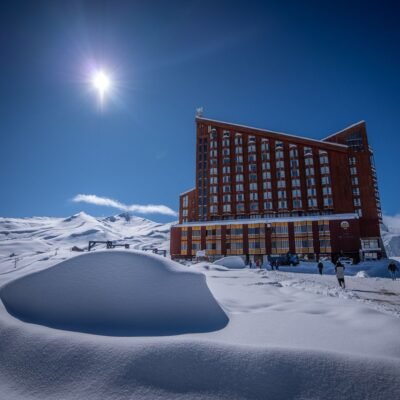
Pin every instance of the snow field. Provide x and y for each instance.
(116, 293)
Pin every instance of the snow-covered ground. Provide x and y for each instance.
(126, 324)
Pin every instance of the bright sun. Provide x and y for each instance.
(101, 82)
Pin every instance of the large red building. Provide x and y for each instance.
(261, 193)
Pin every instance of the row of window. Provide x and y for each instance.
(268, 205)
(281, 244)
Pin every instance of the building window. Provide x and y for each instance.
(309, 171)
(309, 161)
(326, 190)
(293, 152)
(238, 150)
(226, 188)
(282, 204)
(323, 160)
(213, 171)
(226, 198)
(214, 162)
(253, 177)
(253, 186)
(312, 202)
(238, 139)
(252, 158)
(325, 170)
(226, 179)
(354, 180)
(267, 195)
(307, 151)
(253, 206)
(267, 185)
(251, 148)
(310, 182)
(266, 165)
(281, 194)
(357, 202)
(226, 170)
(281, 184)
(356, 191)
(268, 205)
(266, 175)
(265, 156)
(328, 201)
(280, 174)
(311, 192)
(326, 180)
(239, 187)
(352, 160)
(227, 208)
(239, 178)
(279, 154)
(280, 164)
(213, 189)
(295, 173)
(353, 170)
(297, 203)
(213, 209)
(253, 196)
(240, 197)
(296, 182)
(264, 145)
(240, 207)
(252, 167)
(239, 159)
(296, 193)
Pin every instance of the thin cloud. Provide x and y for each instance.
(135, 208)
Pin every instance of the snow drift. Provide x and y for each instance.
(234, 262)
(116, 293)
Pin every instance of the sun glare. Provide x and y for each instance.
(102, 83)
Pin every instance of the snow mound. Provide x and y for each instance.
(116, 293)
(235, 262)
(361, 274)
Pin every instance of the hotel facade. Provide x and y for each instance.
(260, 193)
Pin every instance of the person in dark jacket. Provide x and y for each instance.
(320, 267)
(393, 268)
(339, 269)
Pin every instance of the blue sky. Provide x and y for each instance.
(307, 68)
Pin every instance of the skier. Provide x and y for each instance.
(392, 268)
(339, 269)
(320, 267)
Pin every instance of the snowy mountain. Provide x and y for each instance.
(390, 232)
(21, 237)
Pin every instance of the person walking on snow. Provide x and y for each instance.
(320, 267)
(339, 269)
(392, 268)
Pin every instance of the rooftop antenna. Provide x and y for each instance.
(199, 112)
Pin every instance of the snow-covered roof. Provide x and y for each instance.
(271, 220)
(187, 191)
(345, 129)
(273, 132)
